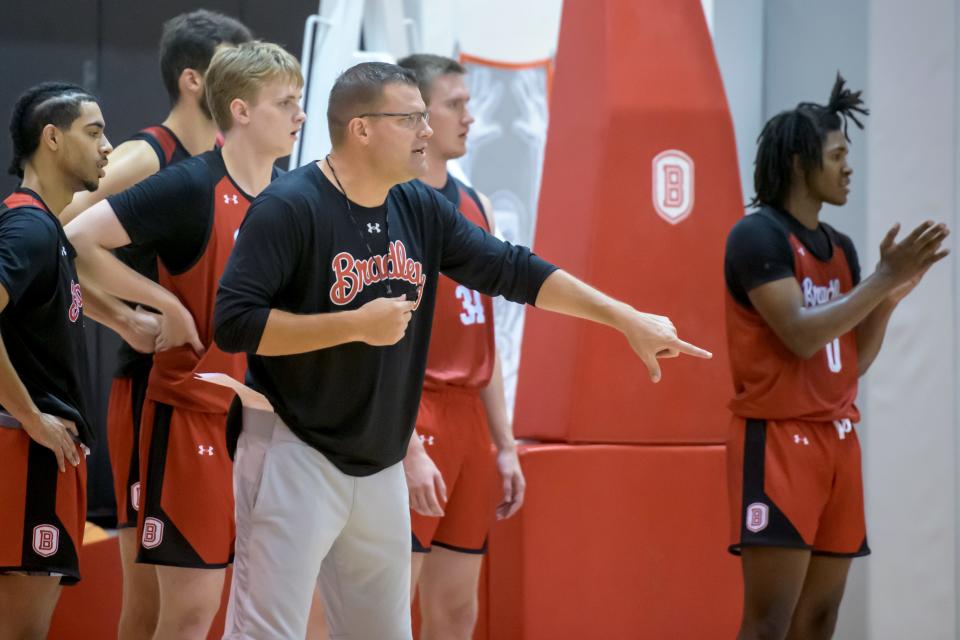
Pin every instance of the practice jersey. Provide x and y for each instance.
(462, 348)
(770, 381)
(42, 324)
(169, 150)
(189, 214)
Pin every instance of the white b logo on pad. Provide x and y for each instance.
(673, 185)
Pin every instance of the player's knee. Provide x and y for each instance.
(815, 622)
(139, 616)
(458, 613)
(189, 619)
(190, 624)
(768, 623)
(25, 628)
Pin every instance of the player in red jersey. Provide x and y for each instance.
(801, 329)
(190, 214)
(186, 47)
(451, 465)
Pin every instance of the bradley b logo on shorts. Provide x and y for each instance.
(758, 517)
(46, 540)
(152, 533)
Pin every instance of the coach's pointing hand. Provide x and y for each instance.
(653, 337)
(384, 321)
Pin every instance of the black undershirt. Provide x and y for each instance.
(758, 250)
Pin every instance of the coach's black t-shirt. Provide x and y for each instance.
(299, 251)
(758, 250)
(42, 324)
(169, 150)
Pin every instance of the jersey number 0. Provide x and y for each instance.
(833, 355)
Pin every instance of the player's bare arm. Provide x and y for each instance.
(130, 162)
(805, 330)
(94, 234)
(137, 326)
(428, 492)
(651, 336)
(50, 431)
(501, 432)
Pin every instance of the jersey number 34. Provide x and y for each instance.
(472, 306)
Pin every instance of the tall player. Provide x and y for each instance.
(59, 148)
(189, 214)
(331, 290)
(462, 405)
(802, 328)
(187, 44)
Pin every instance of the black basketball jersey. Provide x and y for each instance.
(42, 324)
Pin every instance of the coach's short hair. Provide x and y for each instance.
(427, 66)
(241, 72)
(358, 90)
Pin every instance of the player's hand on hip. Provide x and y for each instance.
(653, 337)
(384, 321)
(178, 328)
(902, 262)
(142, 329)
(428, 493)
(55, 434)
(514, 484)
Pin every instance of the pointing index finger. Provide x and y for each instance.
(692, 350)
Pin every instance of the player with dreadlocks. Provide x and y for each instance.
(801, 328)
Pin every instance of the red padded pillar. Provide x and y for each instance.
(639, 190)
(617, 542)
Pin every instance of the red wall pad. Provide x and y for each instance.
(616, 542)
(91, 608)
(639, 190)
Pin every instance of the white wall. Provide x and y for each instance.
(912, 454)
(737, 30)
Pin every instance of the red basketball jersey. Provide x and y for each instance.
(462, 346)
(770, 381)
(172, 380)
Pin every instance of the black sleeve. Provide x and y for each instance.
(852, 258)
(757, 252)
(264, 259)
(169, 213)
(154, 144)
(28, 249)
(473, 257)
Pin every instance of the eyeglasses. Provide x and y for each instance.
(410, 120)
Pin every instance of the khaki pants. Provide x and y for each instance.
(300, 520)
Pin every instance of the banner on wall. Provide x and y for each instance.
(504, 160)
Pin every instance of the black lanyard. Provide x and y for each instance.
(356, 223)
